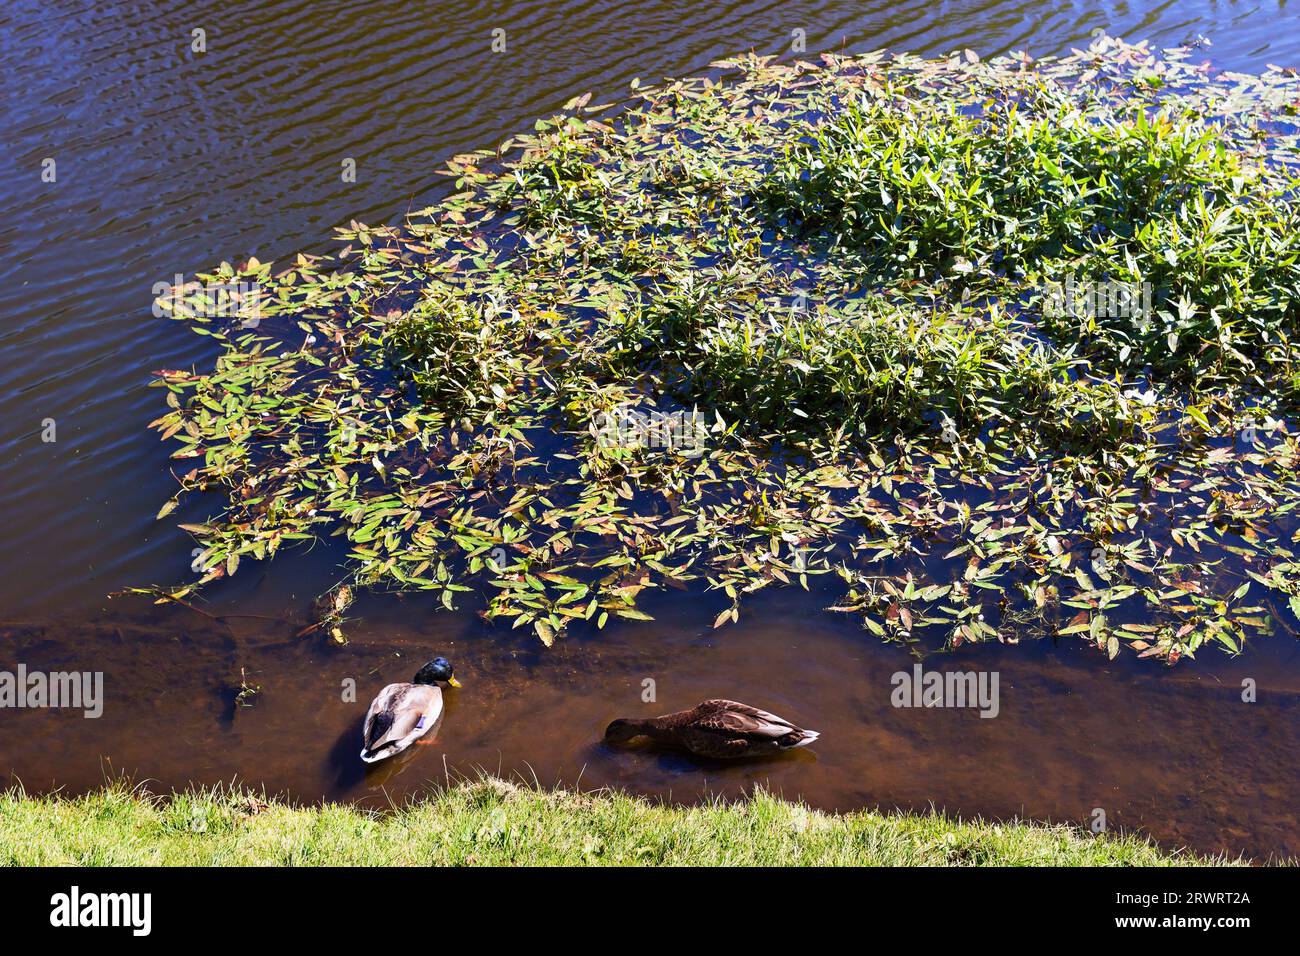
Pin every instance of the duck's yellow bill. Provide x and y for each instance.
(453, 682)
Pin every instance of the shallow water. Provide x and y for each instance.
(1177, 754)
(169, 161)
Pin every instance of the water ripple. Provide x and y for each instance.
(171, 160)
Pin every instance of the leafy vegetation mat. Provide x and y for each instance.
(494, 823)
(1006, 347)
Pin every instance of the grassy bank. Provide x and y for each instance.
(492, 822)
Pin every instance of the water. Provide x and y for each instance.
(1176, 754)
(169, 161)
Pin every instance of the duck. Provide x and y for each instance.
(715, 728)
(403, 713)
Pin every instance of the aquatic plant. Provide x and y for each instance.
(792, 320)
(1036, 186)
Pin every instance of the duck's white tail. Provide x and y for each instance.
(382, 754)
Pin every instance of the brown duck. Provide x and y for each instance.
(715, 728)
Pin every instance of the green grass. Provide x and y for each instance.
(491, 822)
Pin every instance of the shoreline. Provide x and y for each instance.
(492, 822)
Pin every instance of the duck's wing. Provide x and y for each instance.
(400, 711)
(734, 719)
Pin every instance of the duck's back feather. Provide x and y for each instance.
(398, 716)
(732, 717)
(728, 728)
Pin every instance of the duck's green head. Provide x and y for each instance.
(437, 670)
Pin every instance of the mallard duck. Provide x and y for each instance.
(403, 713)
(716, 728)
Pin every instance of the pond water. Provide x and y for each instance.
(1177, 754)
(168, 161)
